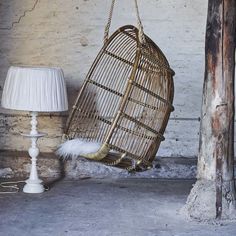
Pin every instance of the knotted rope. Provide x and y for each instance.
(139, 23)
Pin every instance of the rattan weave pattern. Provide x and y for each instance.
(125, 101)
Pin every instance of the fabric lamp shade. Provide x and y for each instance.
(39, 89)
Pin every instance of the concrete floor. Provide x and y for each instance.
(123, 207)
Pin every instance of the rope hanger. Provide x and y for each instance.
(139, 23)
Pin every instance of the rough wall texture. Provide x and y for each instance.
(17, 165)
(69, 34)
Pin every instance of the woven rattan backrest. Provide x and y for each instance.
(126, 98)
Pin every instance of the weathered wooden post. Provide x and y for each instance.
(213, 195)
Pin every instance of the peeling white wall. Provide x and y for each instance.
(69, 34)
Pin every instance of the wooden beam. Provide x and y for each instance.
(216, 148)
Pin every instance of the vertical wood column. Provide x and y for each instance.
(216, 148)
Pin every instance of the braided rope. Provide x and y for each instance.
(139, 23)
(107, 28)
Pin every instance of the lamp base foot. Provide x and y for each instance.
(33, 186)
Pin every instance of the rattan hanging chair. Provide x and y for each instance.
(125, 101)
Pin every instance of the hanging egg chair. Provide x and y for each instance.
(125, 101)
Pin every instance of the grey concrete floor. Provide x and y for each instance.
(93, 207)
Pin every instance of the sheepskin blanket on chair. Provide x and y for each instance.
(77, 147)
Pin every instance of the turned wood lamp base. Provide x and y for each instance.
(34, 184)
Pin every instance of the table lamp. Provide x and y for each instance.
(34, 89)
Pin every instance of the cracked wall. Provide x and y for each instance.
(69, 34)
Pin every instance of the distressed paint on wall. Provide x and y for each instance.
(70, 34)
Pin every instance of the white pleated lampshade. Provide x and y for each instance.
(40, 89)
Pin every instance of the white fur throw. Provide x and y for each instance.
(77, 147)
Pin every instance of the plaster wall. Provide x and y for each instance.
(69, 34)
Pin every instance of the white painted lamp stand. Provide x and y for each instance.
(34, 184)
